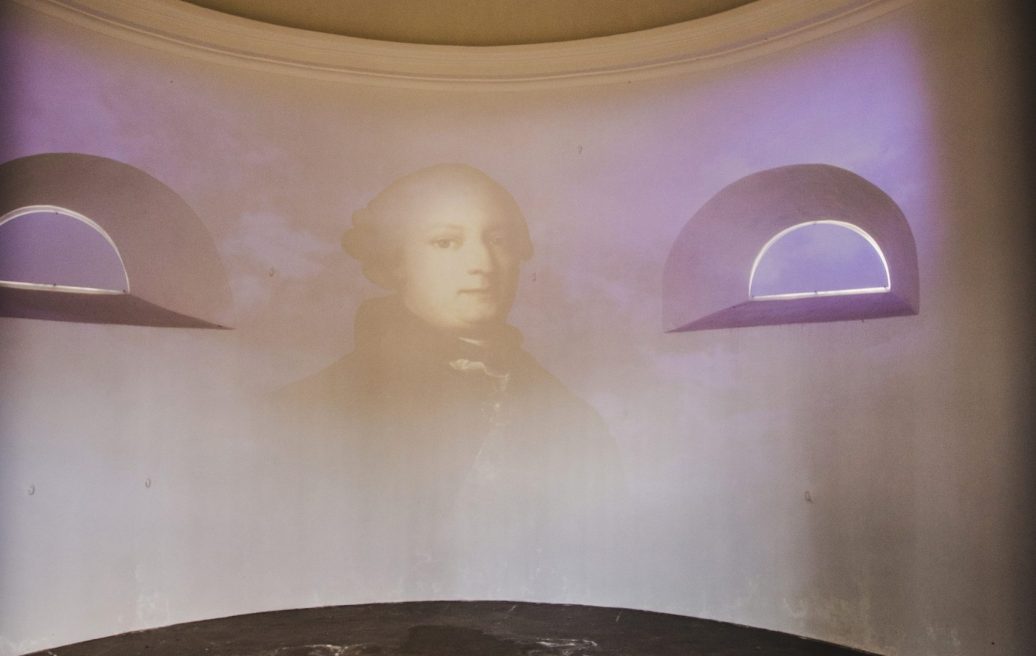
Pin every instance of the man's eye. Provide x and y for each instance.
(444, 243)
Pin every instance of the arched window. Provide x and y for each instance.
(796, 244)
(55, 249)
(90, 239)
(819, 258)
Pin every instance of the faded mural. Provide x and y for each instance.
(440, 409)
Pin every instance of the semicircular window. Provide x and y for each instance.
(56, 249)
(802, 243)
(819, 258)
(77, 231)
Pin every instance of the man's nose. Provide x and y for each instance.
(481, 258)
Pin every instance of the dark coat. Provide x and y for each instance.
(450, 441)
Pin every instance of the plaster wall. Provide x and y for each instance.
(859, 482)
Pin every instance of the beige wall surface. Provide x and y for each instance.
(863, 482)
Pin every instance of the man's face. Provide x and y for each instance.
(459, 260)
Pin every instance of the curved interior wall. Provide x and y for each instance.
(859, 482)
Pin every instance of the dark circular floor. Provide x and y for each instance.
(455, 628)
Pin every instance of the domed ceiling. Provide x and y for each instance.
(435, 43)
(472, 22)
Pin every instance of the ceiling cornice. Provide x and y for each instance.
(468, 23)
(746, 32)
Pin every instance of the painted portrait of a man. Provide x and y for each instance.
(444, 412)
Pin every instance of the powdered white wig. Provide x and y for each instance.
(375, 236)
